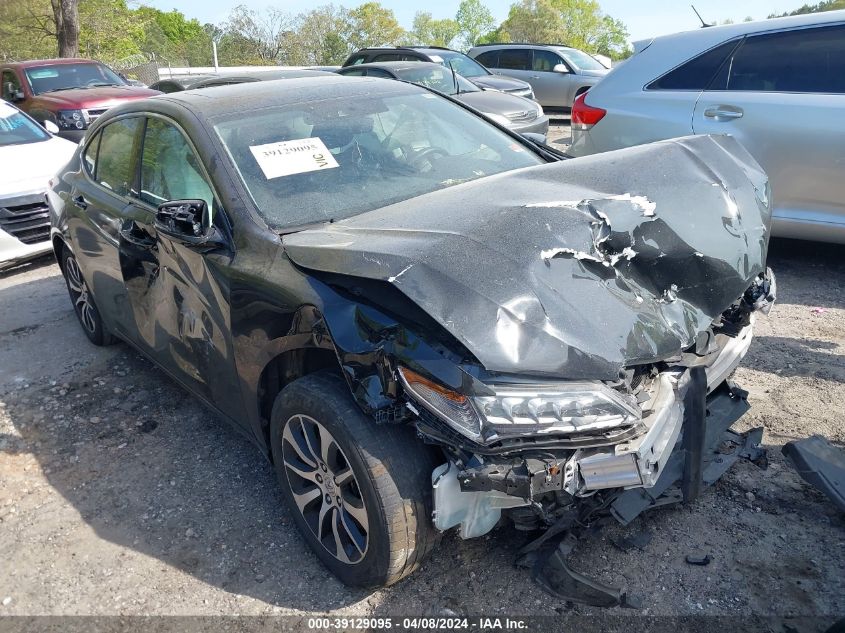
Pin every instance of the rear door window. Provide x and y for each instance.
(515, 58)
(116, 159)
(489, 59)
(697, 73)
(810, 60)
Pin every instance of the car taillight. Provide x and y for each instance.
(585, 116)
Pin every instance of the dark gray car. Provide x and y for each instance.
(463, 64)
(515, 113)
(193, 82)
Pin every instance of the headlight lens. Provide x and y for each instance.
(71, 119)
(498, 118)
(526, 410)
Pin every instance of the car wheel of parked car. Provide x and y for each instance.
(360, 493)
(83, 303)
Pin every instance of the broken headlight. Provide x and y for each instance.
(525, 410)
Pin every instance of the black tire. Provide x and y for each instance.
(83, 302)
(392, 478)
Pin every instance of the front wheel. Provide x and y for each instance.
(83, 302)
(360, 493)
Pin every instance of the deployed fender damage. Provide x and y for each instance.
(568, 343)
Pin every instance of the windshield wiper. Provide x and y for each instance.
(303, 227)
(455, 79)
(65, 88)
(101, 85)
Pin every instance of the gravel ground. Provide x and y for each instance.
(120, 494)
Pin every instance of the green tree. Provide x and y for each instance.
(825, 5)
(319, 37)
(431, 32)
(534, 21)
(251, 37)
(577, 23)
(373, 25)
(474, 20)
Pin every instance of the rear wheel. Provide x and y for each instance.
(360, 493)
(83, 302)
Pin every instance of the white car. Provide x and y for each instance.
(777, 86)
(29, 156)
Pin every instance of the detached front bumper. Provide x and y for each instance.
(684, 443)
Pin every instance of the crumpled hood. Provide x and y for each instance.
(573, 269)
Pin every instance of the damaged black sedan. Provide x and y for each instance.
(423, 320)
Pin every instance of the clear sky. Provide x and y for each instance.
(644, 18)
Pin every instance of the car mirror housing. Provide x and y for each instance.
(560, 68)
(187, 222)
(51, 127)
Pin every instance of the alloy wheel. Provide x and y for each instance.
(80, 295)
(325, 489)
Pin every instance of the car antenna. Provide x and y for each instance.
(704, 24)
(454, 77)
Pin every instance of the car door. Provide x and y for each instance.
(782, 95)
(97, 198)
(516, 62)
(177, 291)
(551, 89)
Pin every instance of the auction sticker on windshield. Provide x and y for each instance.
(286, 158)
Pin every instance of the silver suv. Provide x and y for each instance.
(558, 74)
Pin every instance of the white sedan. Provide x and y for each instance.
(29, 156)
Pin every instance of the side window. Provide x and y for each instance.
(115, 167)
(804, 60)
(90, 155)
(169, 168)
(11, 85)
(544, 61)
(489, 59)
(378, 72)
(358, 59)
(389, 57)
(696, 73)
(515, 58)
(358, 72)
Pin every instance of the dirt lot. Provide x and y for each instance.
(120, 494)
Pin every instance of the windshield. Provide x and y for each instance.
(66, 76)
(581, 60)
(436, 78)
(17, 128)
(462, 64)
(336, 158)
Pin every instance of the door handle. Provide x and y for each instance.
(80, 202)
(535, 76)
(723, 113)
(136, 235)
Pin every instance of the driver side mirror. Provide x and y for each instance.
(51, 127)
(560, 68)
(187, 222)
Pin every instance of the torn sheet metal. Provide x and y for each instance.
(658, 241)
(820, 464)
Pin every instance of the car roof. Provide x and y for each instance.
(396, 66)
(52, 62)
(705, 38)
(225, 100)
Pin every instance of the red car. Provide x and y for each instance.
(71, 93)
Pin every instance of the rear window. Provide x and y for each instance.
(488, 58)
(515, 58)
(806, 60)
(697, 73)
